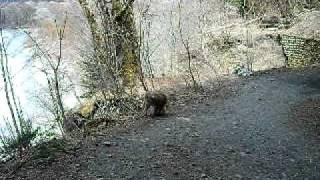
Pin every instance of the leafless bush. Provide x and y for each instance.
(51, 67)
(18, 133)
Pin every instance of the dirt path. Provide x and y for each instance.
(248, 135)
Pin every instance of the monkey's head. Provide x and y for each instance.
(156, 100)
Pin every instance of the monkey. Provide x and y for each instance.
(157, 100)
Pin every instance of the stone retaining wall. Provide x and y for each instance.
(300, 51)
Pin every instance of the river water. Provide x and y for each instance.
(28, 80)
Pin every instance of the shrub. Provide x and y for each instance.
(12, 144)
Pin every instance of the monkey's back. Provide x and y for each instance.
(156, 98)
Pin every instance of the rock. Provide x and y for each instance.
(203, 175)
(238, 176)
(196, 134)
(243, 154)
(107, 143)
(91, 157)
(156, 166)
(248, 151)
(235, 123)
(230, 149)
(197, 153)
(284, 176)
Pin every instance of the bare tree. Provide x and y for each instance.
(110, 72)
(115, 45)
(51, 68)
(19, 139)
(144, 22)
(186, 44)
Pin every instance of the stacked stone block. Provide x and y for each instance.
(300, 51)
